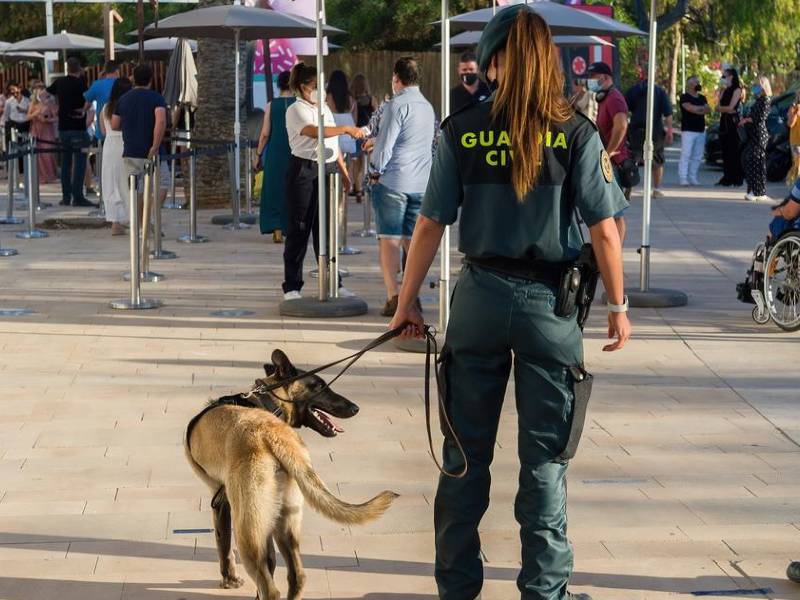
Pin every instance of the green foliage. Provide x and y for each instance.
(19, 21)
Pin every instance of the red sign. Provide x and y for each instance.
(578, 65)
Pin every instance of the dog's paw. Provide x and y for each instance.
(229, 582)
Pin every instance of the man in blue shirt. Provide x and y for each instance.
(636, 97)
(99, 92)
(141, 115)
(399, 167)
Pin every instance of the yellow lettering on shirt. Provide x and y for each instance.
(497, 144)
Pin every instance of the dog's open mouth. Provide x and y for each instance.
(328, 425)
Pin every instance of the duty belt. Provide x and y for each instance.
(533, 270)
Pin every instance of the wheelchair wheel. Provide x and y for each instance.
(782, 282)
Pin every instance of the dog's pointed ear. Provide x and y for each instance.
(283, 365)
(270, 369)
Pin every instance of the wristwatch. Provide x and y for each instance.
(619, 308)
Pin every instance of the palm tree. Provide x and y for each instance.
(214, 116)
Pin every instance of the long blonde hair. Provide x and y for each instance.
(530, 97)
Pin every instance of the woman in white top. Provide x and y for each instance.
(301, 176)
(114, 176)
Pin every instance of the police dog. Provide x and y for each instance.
(245, 449)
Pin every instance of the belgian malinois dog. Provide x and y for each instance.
(245, 449)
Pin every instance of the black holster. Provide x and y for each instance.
(581, 391)
(577, 286)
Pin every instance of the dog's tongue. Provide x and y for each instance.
(327, 418)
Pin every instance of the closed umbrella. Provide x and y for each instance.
(237, 22)
(180, 84)
(562, 20)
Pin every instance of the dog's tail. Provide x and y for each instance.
(294, 457)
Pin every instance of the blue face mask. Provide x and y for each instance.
(593, 85)
(756, 89)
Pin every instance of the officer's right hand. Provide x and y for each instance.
(412, 316)
(618, 327)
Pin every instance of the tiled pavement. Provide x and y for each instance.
(687, 479)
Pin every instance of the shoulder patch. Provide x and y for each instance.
(605, 165)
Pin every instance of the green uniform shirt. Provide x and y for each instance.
(472, 170)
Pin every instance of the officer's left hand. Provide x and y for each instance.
(618, 327)
(413, 318)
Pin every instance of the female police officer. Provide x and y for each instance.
(518, 165)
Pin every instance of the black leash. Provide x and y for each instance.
(431, 350)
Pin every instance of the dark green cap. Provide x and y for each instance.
(496, 32)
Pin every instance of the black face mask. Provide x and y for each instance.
(469, 78)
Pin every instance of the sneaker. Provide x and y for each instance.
(65, 203)
(293, 295)
(694, 182)
(749, 197)
(657, 193)
(793, 571)
(685, 184)
(390, 307)
(764, 198)
(84, 202)
(345, 293)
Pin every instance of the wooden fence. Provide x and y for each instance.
(22, 72)
(377, 66)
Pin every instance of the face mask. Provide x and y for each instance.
(593, 85)
(469, 78)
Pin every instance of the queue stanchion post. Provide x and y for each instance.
(11, 168)
(248, 184)
(135, 301)
(333, 226)
(367, 231)
(145, 274)
(29, 166)
(158, 252)
(193, 237)
(236, 223)
(344, 249)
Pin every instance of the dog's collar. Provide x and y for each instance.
(265, 400)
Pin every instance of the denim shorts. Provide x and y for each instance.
(395, 212)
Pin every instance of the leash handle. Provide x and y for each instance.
(432, 344)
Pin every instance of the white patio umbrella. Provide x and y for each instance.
(157, 47)
(562, 20)
(59, 42)
(471, 38)
(236, 22)
(4, 55)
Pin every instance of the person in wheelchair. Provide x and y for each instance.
(787, 213)
(773, 279)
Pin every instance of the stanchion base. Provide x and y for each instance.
(417, 345)
(313, 308)
(348, 251)
(228, 219)
(163, 255)
(364, 233)
(654, 298)
(98, 212)
(143, 304)
(242, 225)
(147, 276)
(8, 252)
(32, 235)
(314, 273)
(188, 239)
(12, 221)
(170, 205)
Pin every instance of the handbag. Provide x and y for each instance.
(628, 173)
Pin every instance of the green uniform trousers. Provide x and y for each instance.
(494, 318)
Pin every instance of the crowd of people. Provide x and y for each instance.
(69, 119)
